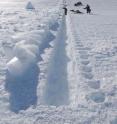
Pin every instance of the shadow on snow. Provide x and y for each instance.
(56, 92)
(23, 89)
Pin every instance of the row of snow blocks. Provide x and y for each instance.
(22, 70)
(27, 52)
(31, 45)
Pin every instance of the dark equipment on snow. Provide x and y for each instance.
(88, 9)
(72, 10)
(76, 11)
(65, 10)
(78, 4)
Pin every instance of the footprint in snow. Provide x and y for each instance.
(95, 84)
(79, 46)
(87, 75)
(78, 42)
(84, 56)
(83, 52)
(85, 62)
(86, 68)
(84, 48)
(97, 97)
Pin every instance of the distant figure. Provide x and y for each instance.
(88, 9)
(65, 10)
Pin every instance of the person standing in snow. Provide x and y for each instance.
(65, 10)
(88, 9)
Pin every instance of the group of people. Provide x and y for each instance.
(88, 8)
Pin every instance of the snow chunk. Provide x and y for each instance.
(94, 84)
(15, 66)
(28, 49)
(24, 56)
(36, 37)
(26, 53)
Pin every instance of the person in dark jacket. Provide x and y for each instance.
(88, 9)
(65, 10)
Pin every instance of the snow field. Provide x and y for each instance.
(68, 75)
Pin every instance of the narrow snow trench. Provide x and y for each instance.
(57, 91)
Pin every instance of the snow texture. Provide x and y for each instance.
(57, 69)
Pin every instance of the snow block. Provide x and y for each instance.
(36, 37)
(25, 53)
(15, 67)
(21, 83)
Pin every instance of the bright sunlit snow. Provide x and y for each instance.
(57, 69)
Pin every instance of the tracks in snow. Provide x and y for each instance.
(83, 85)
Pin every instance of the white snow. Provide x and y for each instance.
(58, 69)
(15, 66)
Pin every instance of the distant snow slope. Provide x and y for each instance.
(56, 69)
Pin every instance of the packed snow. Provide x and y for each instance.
(58, 69)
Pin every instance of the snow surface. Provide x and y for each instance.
(56, 69)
